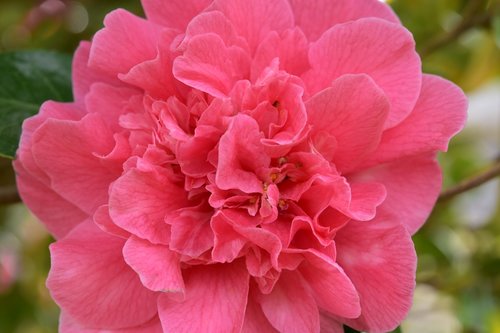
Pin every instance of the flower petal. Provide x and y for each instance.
(158, 267)
(314, 20)
(290, 307)
(72, 164)
(128, 38)
(173, 13)
(155, 76)
(82, 76)
(110, 102)
(110, 295)
(439, 114)
(254, 19)
(353, 110)
(57, 214)
(68, 325)
(379, 258)
(241, 156)
(216, 298)
(104, 222)
(393, 62)
(330, 325)
(413, 185)
(255, 320)
(214, 22)
(191, 234)
(290, 47)
(331, 287)
(48, 110)
(139, 202)
(211, 66)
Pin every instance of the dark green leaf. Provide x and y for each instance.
(27, 79)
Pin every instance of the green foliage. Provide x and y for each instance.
(28, 79)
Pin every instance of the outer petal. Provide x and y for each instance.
(104, 222)
(211, 66)
(48, 110)
(111, 102)
(216, 298)
(110, 294)
(83, 76)
(329, 325)
(255, 320)
(439, 114)
(173, 13)
(380, 260)
(331, 287)
(127, 38)
(290, 307)
(68, 325)
(392, 63)
(314, 20)
(139, 202)
(254, 19)
(57, 214)
(77, 174)
(413, 185)
(353, 110)
(155, 76)
(158, 267)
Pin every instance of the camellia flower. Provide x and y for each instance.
(239, 166)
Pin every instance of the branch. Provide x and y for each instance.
(9, 195)
(471, 183)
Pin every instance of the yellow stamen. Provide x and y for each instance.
(274, 176)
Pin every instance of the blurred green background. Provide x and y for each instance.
(458, 275)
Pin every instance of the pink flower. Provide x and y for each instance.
(239, 166)
(9, 268)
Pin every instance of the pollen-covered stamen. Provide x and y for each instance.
(283, 204)
(282, 161)
(274, 176)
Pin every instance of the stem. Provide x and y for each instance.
(9, 195)
(471, 183)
